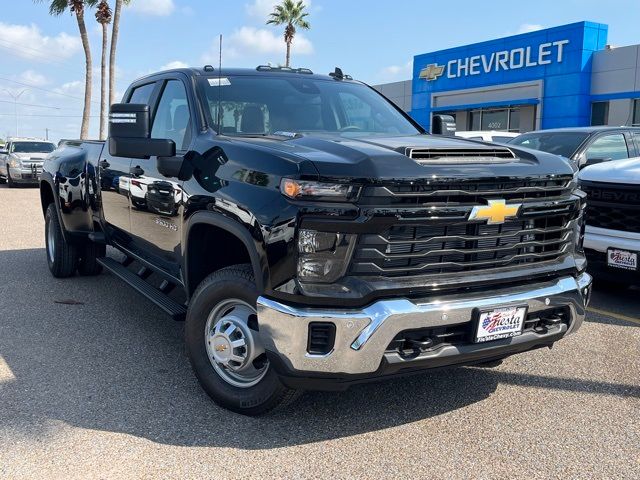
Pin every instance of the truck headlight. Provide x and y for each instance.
(322, 256)
(331, 192)
(15, 163)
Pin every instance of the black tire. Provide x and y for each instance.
(62, 257)
(88, 255)
(3, 180)
(10, 181)
(269, 393)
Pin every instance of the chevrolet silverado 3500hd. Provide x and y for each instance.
(312, 235)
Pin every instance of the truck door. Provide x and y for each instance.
(156, 221)
(115, 177)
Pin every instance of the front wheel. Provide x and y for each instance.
(10, 181)
(224, 346)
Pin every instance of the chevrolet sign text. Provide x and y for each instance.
(524, 57)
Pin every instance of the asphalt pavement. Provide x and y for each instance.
(95, 383)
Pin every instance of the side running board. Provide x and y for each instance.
(166, 303)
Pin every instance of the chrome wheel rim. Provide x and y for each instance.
(51, 243)
(233, 348)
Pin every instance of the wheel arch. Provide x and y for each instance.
(203, 227)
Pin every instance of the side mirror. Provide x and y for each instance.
(595, 161)
(4, 151)
(443, 125)
(130, 132)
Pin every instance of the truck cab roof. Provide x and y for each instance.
(264, 70)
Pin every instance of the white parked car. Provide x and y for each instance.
(612, 234)
(488, 135)
(21, 160)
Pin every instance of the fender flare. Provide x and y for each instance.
(258, 262)
(47, 179)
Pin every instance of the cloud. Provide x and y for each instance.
(261, 9)
(396, 72)
(258, 43)
(33, 78)
(160, 8)
(528, 28)
(174, 64)
(27, 41)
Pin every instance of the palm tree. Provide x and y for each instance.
(103, 17)
(115, 31)
(77, 7)
(292, 15)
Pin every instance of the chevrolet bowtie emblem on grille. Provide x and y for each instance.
(496, 212)
(432, 72)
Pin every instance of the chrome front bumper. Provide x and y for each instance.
(362, 336)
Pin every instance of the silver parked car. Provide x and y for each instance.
(21, 160)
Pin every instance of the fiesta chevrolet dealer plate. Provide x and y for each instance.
(622, 259)
(499, 323)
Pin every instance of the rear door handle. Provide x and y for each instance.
(104, 164)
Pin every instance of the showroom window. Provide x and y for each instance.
(636, 113)
(504, 119)
(599, 113)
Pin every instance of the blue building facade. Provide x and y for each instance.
(541, 79)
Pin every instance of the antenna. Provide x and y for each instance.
(220, 88)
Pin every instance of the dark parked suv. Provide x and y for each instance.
(585, 145)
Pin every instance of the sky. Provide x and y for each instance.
(374, 41)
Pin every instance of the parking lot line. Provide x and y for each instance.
(617, 316)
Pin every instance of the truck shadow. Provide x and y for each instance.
(104, 359)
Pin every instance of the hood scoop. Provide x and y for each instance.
(460, 156)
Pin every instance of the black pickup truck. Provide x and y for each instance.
(313, 236)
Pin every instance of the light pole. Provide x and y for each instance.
(15, 104)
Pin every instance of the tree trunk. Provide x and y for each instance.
(288, 53)
(112, 55)
(103, 83)
(86, 113)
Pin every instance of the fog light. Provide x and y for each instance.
(323, 256)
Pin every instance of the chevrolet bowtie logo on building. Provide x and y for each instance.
(432, 72)
(496, 212)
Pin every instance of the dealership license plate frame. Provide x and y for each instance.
(619, 268)
(479, 314)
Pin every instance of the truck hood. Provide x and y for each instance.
(378, 159)
(618, 171)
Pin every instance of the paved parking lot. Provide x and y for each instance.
(103, 389)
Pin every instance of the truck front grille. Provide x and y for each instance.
(613, 206)
(433, 236)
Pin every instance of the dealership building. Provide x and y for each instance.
(565, 76)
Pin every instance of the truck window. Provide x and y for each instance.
(142, 94)
(173, 120)
(608, 147)
(636, 139)
(263, 105)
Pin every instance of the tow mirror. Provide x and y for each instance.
(443, 125)
(130, 132)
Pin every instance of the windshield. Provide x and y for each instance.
(261, 105)
(560, 143)
(32, 147)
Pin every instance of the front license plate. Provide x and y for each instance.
(503, 322)
(622, 259)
